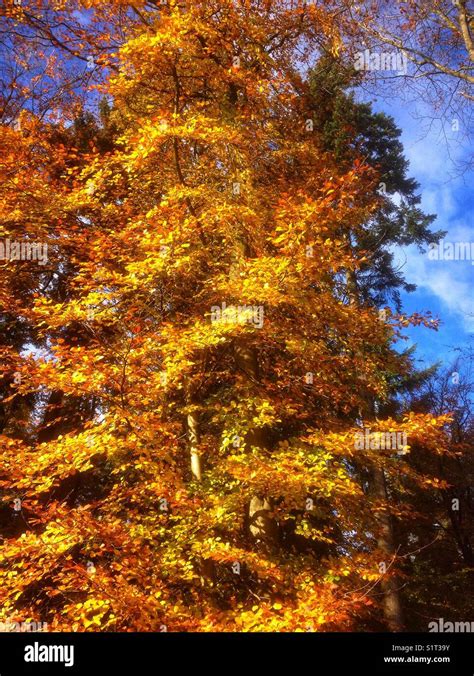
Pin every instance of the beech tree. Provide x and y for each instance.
(437, 38)
(419, 52)
(440, 570)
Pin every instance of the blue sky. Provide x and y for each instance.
(445, 287)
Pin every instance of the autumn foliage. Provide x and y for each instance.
(187, 373)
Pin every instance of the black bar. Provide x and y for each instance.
(176, 654)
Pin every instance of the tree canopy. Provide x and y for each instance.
(202, 421)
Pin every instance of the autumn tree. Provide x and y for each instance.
(440, 568)
(437, 38)
(206, 316)
(430, 47)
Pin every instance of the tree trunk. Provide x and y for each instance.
(262, 525)
(193, 430)
(392, 607)
(193, 435)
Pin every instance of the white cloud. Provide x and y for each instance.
(445, 193)
(450, 281)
